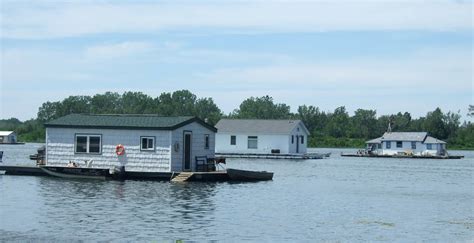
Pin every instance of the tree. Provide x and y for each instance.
(205, 108)
(338, 123)
(136, 103)
(471, 110)
(363, 124)
(48, 111)
(262, 108)
(435, 125)
(107, 103)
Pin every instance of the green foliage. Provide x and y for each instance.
(328, 129)
(262, 108)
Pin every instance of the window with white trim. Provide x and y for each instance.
(388, 144)
(233, 140)
(88, 144)
(147, 143)
(252, 142)
(429, 146)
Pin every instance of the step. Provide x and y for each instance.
(182, 177)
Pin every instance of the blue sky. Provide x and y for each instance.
(385, 55)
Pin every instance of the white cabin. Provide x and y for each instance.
(151, 143)
(261, 136)
(7, 137)
(406, 143)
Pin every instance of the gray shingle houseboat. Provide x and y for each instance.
(409, 143)
(142, 143)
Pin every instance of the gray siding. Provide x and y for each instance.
(198, 134)
(60, 149)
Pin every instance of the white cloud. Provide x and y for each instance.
(426, 70)
(57, 20)
(123, 49)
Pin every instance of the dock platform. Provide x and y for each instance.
(403, 156)
(129, 175)
(272, 156)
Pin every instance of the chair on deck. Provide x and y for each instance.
(204, 164)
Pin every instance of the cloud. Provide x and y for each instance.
(423, 71)
(48, 20)
(123, 49)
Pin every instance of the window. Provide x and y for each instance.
(302, 139)
(147, 143)
(399, 144)
(428, 146)
(206, 141)
(88, 144)
(379, 146)
(292, 139)
(252, 142)
(413, 145)
(388, 144)
(233, 140)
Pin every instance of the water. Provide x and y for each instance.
(335, 199)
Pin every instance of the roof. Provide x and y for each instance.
(404, 136)
(430, 139)
(375, 140)
(126, 121)
(256, 126)
(6, 133)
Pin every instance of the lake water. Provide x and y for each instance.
(335, 199)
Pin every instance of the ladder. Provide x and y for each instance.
(182, 177)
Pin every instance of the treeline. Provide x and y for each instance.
(328, 128)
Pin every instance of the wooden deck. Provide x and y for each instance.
(129, 175)
(403, 156)
(271, 156)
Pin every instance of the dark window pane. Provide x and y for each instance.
(206, 141)
(150, 143)
(302, 139)
(399, 144)
(233, 140)
(94, 144)
(81, 144)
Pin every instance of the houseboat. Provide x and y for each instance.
(253, 138)
(140, 143)
(405, 144)
(8, 137)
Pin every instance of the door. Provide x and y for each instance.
(187, 148)
(297, 144)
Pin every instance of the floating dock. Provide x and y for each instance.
(131, 175)
(272, 156)
(404, 156)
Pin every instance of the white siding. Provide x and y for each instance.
(298, 132)
(421, 149)
(264, 146)
(60, 149)
(198, 145)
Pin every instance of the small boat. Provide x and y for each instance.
(77, 172)
(247, 175)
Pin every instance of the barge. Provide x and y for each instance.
(404, 156)
(105, 174)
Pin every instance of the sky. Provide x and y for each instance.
(389, 56)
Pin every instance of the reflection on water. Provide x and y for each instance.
(336, 199)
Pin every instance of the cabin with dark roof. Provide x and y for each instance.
(253, 136)
(142, 143)
(406, 143)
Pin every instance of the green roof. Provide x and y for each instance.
(125, 121)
